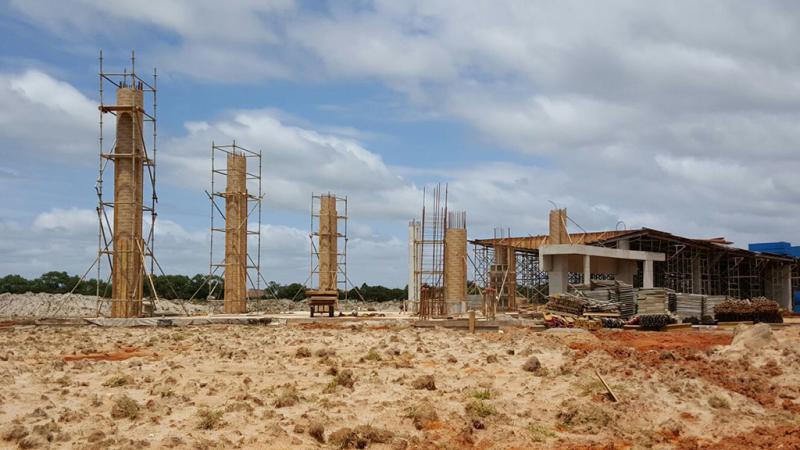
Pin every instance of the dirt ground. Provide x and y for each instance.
(398, 387)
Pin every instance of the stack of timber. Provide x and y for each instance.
(616, 292)
(710, 302)
(566, 303)
(688, 305)
(652, 301)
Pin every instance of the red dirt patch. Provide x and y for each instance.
(762, 437)
(681, 354)
(666, 340)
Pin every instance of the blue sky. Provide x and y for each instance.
(680, 117)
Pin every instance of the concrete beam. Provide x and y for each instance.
(605, 252)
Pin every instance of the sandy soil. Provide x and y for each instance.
(396, 387)
(41, 305)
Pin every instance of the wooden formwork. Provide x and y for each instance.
(128, 246)
(236, 235)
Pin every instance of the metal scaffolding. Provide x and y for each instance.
(105, 235)
(254, 205)
(341, 238)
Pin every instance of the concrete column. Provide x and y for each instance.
(236, 235)
(455, 265)
(647, 281)
(625, 271)
(559, 274)
(128, 270)
(328, 244)
(785, 299)
(587, 269)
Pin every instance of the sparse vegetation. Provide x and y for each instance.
(317, 431)
(360, 437)
(424, 382)
(482, 394)
(288, 396)
(302, 352)
(422, 415)
(718, 402)
(372, 355)
(209, 419)
(539, 433)
(125, 408)
(118, 380)
(480, 409)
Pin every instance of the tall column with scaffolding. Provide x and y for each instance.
(328, 265)
(125, 246)
(241, 257)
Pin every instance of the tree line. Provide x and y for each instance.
(172, 287)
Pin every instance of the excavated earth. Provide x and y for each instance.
(393, 386)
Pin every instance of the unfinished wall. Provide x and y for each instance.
(328, 244)
(558, 227)
(236, 235)
(128, 259)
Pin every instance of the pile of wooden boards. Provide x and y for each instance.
(653, 301)
(566, 303)
(581, 304)
(611, 291)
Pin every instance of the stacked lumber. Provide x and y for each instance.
(616, 292)
(688, 305)
(578, 304)
(566, 303)
(652, 301)
(626, 296)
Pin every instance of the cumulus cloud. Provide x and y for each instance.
(41, 115)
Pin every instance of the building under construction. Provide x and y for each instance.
(697, 266)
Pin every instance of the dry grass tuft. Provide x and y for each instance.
(287, 397)
(372, 355)
(424, 382)
(317, 431)
(302, 352)
(480, 409)
(209, 419)
(360, 437)
(125, 408)
(422, 415)
(118, 381)
(344, 378)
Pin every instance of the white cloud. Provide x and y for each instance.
(72, 220)
(46, 117)
(296, 162)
